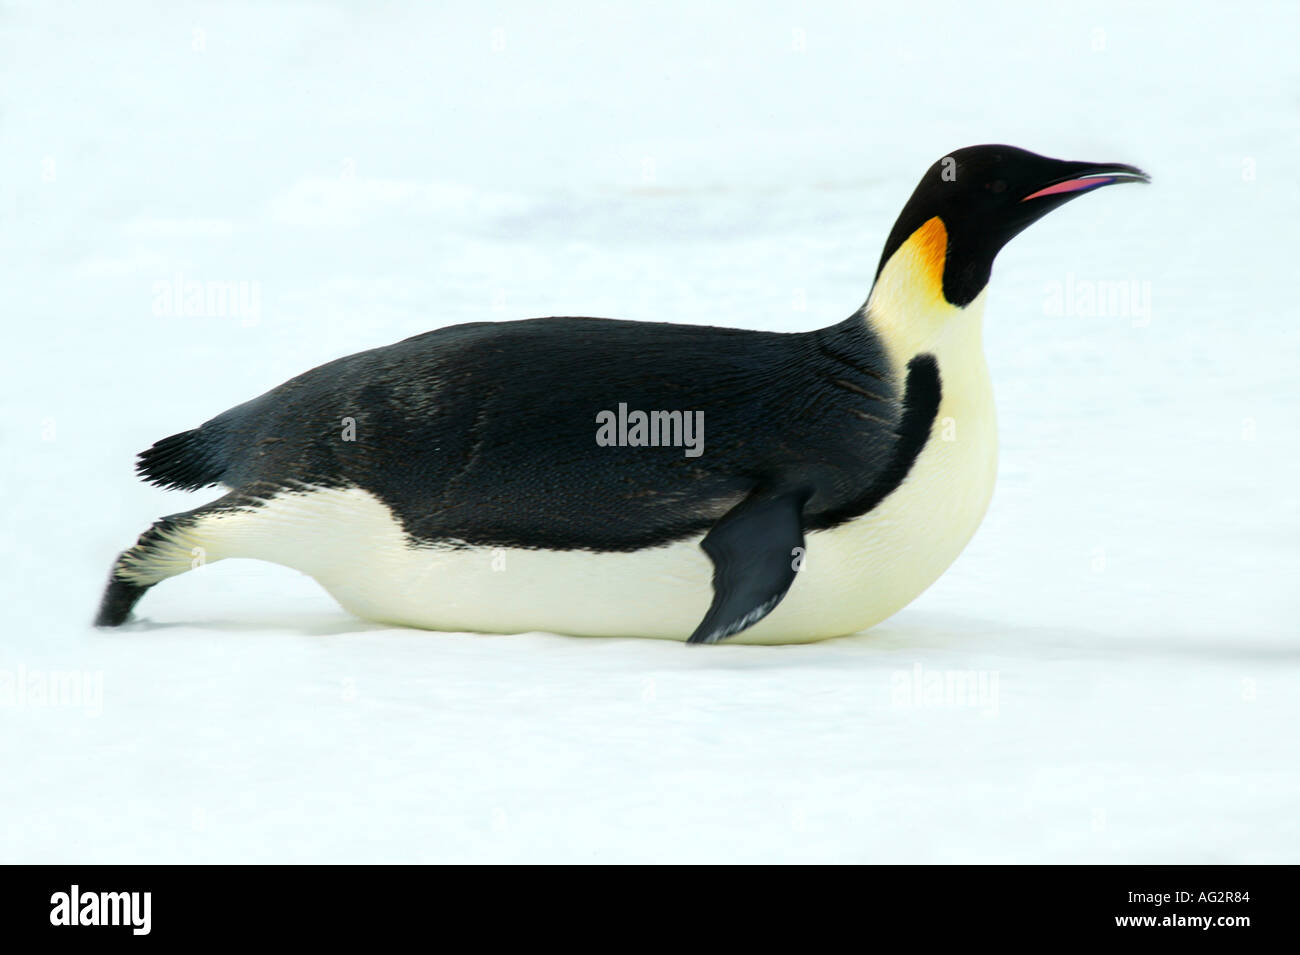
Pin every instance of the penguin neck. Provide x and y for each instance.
(907, 308)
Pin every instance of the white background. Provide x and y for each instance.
(373, 171)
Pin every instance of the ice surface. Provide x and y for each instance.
(370, 171)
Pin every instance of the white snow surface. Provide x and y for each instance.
(1128, 608)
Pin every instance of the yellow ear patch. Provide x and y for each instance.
(907, 306)
(927, 248)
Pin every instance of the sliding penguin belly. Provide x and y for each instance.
(581, 476)
(589, 476)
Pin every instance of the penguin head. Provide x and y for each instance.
(974, 201)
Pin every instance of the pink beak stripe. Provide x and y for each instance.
(1071, 185)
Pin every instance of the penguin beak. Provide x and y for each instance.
(1078, 177)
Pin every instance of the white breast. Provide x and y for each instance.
(882, 561)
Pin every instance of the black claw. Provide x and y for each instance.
(119, 597)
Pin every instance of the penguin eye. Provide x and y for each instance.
(998, 185)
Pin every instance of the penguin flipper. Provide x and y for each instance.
(755, 550)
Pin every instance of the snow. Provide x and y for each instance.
(1126, 614)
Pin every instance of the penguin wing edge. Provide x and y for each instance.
(756, 550)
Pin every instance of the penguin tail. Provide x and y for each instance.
(186, 461)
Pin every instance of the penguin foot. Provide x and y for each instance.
(120, 596)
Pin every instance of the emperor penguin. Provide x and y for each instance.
(591, 476)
